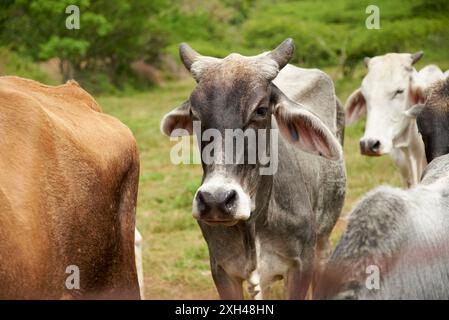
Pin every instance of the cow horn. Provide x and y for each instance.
(188, 55)
(416, 56)
(283, 52)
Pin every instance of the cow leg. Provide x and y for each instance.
(139, 259)
(228, 288)
(323, 252)
(254, 286)
(400, 160)
(122, 274)
(299, 278)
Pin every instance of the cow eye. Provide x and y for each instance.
(262, 111)
(192, 115)
(399, 91)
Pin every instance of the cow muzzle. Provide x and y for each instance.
(218, 203)
(371, 147)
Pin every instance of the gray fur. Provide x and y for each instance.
(306, 196)
(294, 210)
(404, 233)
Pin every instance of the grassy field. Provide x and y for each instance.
(331, 37)
(176, 261)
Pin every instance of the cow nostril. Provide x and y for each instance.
(375, 146)
(231, 198)
(200, 201)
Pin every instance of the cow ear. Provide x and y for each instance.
(304, 129)
(178, 122)
(418, 94)
(415, 110)
(355, 107)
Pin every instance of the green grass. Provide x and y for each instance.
(176, 263)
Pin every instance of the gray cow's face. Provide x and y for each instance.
(231, 95)
(236, 93)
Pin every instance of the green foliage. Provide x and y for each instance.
(432, 8)
(335, 34)
(65, 48)
(326, 35)
(114, 34)
(209, 26)
(13, 64)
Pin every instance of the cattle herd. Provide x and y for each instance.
(69, 182)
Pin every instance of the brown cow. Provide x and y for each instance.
(68, 189)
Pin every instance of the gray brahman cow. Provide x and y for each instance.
(396, 245)
(261, 226)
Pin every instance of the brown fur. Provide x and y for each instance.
(438, 99)
(68, 189)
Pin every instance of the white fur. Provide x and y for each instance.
(387, 121)
(269, 265)
(254, 285)
(219, 181)
(430, 74)
(429, 210)
(202, 64)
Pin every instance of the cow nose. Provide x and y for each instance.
(374, 145)
(223, 201)
(227, 200)
(370, 147)
(204, 201)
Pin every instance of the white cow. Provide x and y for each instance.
(390, 88)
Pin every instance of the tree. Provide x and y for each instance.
(112, 34)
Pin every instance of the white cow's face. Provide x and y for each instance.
(387, 91)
